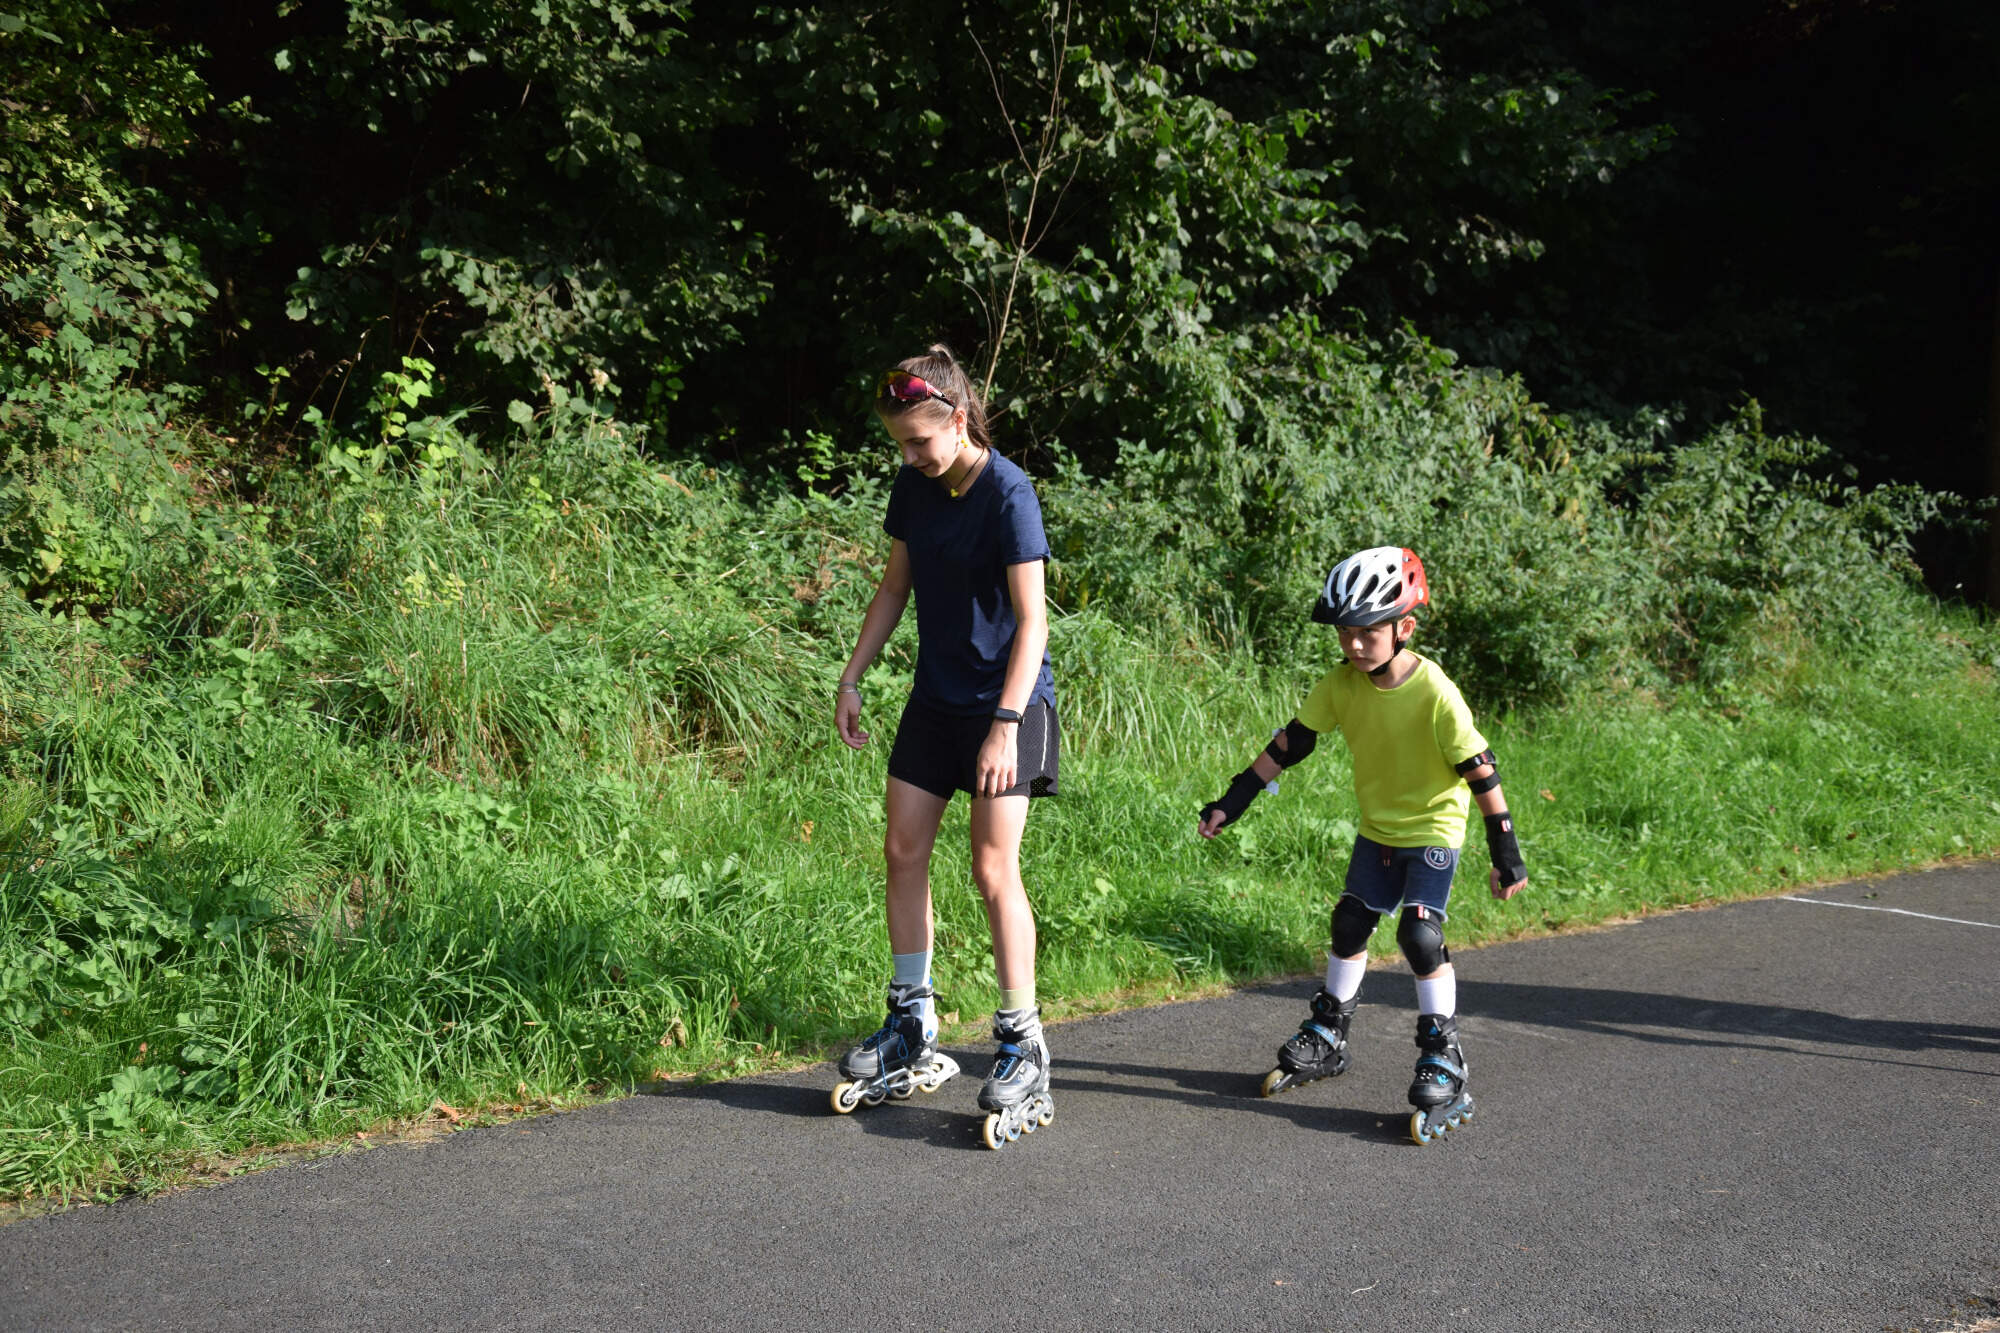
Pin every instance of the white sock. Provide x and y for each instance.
(911, 969)
(1438, 994)
(1343, 976)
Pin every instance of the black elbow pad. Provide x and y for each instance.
(1299, 742)
(1487, 783)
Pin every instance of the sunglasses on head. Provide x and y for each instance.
(900, 386)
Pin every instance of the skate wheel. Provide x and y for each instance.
(1013, 1129)
(990, 1132)
(846, 1096)
(1274, 1083)
(903, 1093)
(1419, 1131)
(1047, 1113)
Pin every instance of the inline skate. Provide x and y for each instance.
(1318, 1049)
(900, 1059)
(1016, 1095)
(1438, 1091)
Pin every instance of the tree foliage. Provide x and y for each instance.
(723, 216)
(1172, 240)
(99, 280)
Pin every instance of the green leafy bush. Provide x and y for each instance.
(1561, 553)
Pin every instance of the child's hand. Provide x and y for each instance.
(847, 719)
(1243, 789)
(1505, 891)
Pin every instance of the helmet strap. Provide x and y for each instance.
(1380, 670)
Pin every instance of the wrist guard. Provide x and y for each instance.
(1505, 850)
(1243, 789)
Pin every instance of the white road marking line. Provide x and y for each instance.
(1863, 907)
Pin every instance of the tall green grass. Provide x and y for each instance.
(487, 780)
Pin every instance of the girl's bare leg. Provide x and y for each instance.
(997, 824)
(914, 816)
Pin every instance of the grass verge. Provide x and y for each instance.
(513, 785)
(583, 931)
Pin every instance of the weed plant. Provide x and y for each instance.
(485, 777)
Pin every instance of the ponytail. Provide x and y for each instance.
(940, 369)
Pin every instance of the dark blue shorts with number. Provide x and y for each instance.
(1382, 877)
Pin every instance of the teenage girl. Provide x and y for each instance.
(967, 540)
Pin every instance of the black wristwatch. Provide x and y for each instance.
(1005, 715)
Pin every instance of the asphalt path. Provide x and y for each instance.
(1778, 1114)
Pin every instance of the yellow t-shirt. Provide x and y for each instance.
(1404, 742)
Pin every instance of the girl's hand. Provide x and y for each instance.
(997, 768)
(1505, 891)
(847, 719)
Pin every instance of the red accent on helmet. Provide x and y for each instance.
(1416, 587)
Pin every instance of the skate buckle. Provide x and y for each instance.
(1444, 1066)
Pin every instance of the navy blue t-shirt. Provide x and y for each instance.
(959, 552)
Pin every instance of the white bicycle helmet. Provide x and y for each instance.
(1379, 584)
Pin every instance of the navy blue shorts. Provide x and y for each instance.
(939, 752)
(1384, 877)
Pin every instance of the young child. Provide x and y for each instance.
(1415, 753)
(967, 540)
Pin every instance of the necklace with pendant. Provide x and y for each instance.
(966, 479)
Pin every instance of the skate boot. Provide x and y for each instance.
(900, 1059)
(1318, 1049)
(1438, 1092)
(1017, 1092)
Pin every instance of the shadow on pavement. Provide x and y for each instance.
(1632, 1015)
(915, 1120)
(1703, 1022)
(1231, 1090)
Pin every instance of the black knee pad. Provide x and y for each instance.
(1422, 936)
(1353, 922)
